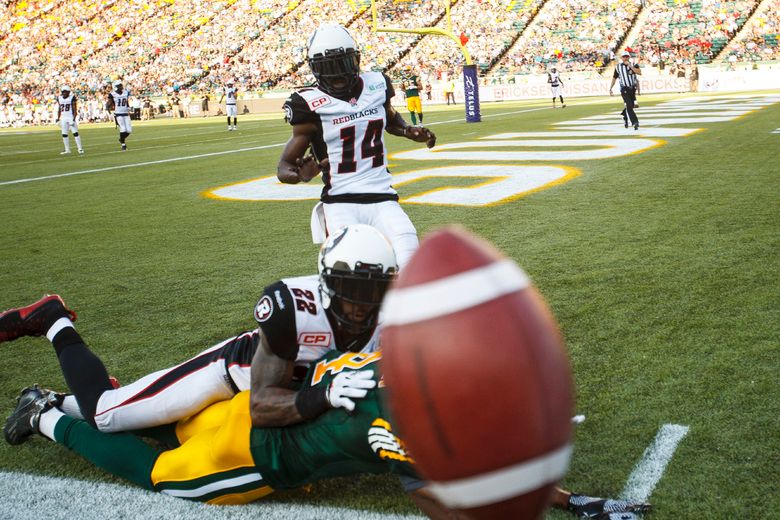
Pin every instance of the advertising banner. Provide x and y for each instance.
(471, 94)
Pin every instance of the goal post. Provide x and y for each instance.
(470, 83)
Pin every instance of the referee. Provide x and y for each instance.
(626, 73)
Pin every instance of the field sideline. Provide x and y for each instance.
(659, 261)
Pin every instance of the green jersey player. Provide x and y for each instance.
(222, 459)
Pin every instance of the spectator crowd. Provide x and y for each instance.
(188, 49)
(679, 33)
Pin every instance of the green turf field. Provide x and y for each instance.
(661, 267)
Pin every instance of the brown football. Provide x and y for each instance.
(478, 379)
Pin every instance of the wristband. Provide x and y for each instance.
(312, 402)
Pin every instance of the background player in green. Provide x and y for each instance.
(411, 85)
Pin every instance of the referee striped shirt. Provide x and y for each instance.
(625, 74)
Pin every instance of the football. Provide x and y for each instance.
(478, 378)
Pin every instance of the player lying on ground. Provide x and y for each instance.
(221, 459)
(299, 319)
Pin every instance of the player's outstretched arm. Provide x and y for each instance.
(583, 506)
(397, 126)
(271, 401)
(292, 167)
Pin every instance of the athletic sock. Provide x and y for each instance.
(419, 114)
(70, 406)
(48, 422)
(66, 142)
(54, 328)
(78, 141)
(414, 118)
(84, 372)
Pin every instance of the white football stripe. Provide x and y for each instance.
(214, 486)
(497, 486)
(454, 293)
(650, 469)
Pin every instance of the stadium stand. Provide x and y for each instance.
(685, 31)
(191, 47)
(572, 35)
(490, 27)
(760, 39)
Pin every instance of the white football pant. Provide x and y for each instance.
(388, 217)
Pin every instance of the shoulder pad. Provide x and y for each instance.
(297, 110)
(275, 313)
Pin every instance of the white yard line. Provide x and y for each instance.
(650, 469)
(28, 497)
(199, 156)
(133, 165)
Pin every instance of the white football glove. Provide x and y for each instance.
(348, 385)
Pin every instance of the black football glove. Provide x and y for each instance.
(605, 508)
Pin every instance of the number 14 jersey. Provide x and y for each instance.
(351, 135)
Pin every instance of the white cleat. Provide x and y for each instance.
(81, 152)
(65, 152)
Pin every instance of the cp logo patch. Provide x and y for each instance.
(264, 309)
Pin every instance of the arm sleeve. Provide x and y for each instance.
(615, 75)
(275, 312)
(297, 111)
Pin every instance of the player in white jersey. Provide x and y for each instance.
(343, 119)
(299, 320)
(555, 81)
(231, 95)
(118, 101)
(67, 116)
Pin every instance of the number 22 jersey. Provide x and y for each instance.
(350, 134)
(295, 324)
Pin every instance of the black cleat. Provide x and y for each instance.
(605, 508)
(636, 126)
(34, 319)
(24, 420)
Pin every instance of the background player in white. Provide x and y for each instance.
(555, 81)
(118, 101)
(67, 116)
(231, 95)
(343, 119)
(299, 320)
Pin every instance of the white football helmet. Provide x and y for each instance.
(118, 86)
(334, 59)
(356, 265)
(65, 88)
